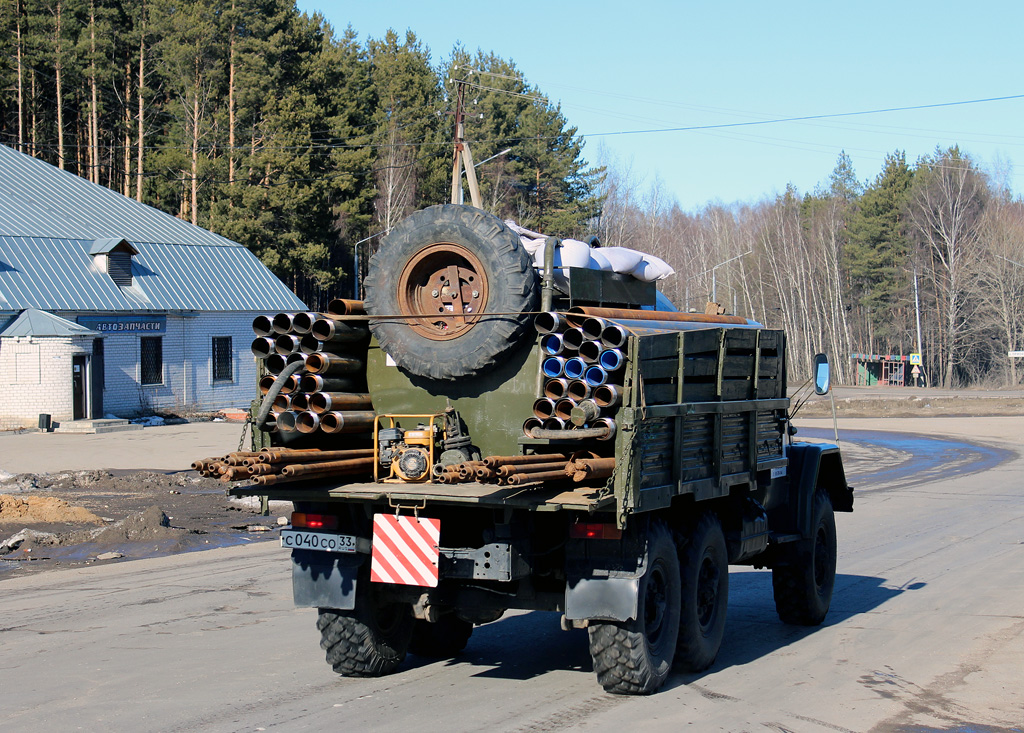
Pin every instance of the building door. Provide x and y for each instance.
(98, 378)
(79, 390)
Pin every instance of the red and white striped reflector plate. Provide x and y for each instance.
(405, 550)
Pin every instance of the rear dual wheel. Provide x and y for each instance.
(635, 657)
(369, 641)
(681, 610)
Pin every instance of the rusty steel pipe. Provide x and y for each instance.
(467, 469)
(530, 424)
(310, 344)
(275, 364)
(266, 382)
(286, 421)
(590, 351)
(530, 468)
(352, 465)
(578, 390)
(614, 336)
(302, 322)
(593, 327)
(544, 407)
(484, 474)
(330, 329)
(300, 401)
(517, 479)
(618, 314)
(564, 408)
(496, 461)
(262, 347)
(329, 364)
(282, 323)
(328, 401)
(545, 432)
(282, 403)
(550, 322)
(573, 338)
(296, 357)
(607, 395)
(287, 344)
(316, 383)
(346, 307)
(313, 455)
(555, 389)
(347, 422)
(263, 326)
(307, 422)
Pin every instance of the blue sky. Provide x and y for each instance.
(619, 67)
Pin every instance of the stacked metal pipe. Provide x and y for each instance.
(583, 362)
(273, 465)
(327, 394)
(518, 470)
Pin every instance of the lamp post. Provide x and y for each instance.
(714, 282)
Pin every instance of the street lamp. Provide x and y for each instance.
(714, 283)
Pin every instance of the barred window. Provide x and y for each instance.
(151, 358)
(222, 367)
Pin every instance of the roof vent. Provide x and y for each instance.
(118, 254)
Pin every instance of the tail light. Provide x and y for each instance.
(594, 531)
(314, 521)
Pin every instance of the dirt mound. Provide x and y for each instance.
(42, 510)
(141, 534)
(150, 524)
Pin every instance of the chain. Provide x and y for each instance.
(245, 429)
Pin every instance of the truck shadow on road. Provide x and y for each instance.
(528, 645)
(753, 629)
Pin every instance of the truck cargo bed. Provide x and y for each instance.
(535, 497)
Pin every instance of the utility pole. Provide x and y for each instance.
(463, 156)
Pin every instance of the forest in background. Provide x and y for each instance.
(263, 124)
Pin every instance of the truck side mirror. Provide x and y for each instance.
(822, 374)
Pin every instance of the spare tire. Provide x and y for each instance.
(461, 264)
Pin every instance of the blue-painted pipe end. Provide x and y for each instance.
(575, 367)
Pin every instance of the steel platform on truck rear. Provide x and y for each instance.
(535, 497)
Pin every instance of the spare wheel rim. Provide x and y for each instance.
(443, 279)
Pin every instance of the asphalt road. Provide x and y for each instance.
(926, 632)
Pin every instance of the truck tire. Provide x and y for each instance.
(442, 639)
(366, 642)
(704, 565)
(635, 657)
(803, 584)
(413, 272)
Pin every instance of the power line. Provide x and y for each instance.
(806, 118)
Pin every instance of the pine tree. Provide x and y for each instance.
(876, 255)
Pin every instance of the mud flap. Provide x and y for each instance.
(603, 599)
(325, 579)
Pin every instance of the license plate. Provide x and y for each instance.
(298, 540)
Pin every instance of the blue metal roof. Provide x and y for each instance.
(50, 220)
(34, 322)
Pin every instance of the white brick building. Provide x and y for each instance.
(108, 306)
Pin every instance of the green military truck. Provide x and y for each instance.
(474, 438)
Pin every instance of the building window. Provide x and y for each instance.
(151, 358)
(222, 368)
